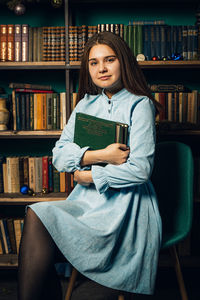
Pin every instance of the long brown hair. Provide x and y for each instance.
(132, 76)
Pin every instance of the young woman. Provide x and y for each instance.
(109, 228)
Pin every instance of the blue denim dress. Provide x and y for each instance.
(111, 230)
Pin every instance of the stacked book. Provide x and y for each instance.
(37, 107)
(22, 43)
(152, 39)
(178, 105)
(37, 173)
(10, 235)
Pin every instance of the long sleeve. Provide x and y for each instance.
(138, 167)
(66, 154)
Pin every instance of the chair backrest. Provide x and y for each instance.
(172, 178)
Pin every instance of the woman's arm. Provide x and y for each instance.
(115, 154)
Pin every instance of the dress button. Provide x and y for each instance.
(109, 102)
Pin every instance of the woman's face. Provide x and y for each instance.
(104, 66)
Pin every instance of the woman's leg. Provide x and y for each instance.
(37, 277)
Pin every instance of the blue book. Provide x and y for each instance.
(147, 42)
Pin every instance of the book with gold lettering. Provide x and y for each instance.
(98, 133)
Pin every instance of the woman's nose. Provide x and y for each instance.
(102, 68)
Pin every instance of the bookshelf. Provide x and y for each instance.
(62, 75)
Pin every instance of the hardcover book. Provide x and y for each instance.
(98, 133)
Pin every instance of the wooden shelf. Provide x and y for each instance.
(76, 65)
(179, 132)
(32, 65)
(8, 261)
(20, 199)
(159, 64)
(31, 134)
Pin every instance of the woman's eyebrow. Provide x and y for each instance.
(103, 57)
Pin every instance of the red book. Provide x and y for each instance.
(162, 102)
(45, 173)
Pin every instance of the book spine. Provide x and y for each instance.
(62, 43)
(3, 45)
(5, 236)
(31, 175)
(10, 45)
(14, 85)
(38, 174)
(11, 233)
(13, 174)
(18, 42)
(1, 174)
(25, 43)
(25, 171)
(45, 174)
(18, 232)
(30, 43)
(50, 173)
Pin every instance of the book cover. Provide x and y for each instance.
(25, 42)
(45, 173)
(20, 85)
(13, 174)
(11, 232)
(18, 232)
(38, 174)
(18, 42)
(3, 42)
(2, 246)
(2, 159)
(31, 175)
(98, 133)
(5, 236)
(10, 45)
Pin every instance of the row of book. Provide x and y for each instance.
(159, 41)
(10, 235)
(182, 107)
(37, 173)
(39, 110)
(25, 43)
(47, 43)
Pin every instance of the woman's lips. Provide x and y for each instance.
(104, 77)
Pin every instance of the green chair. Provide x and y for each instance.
(173, 181)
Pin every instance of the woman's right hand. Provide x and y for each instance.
(116, 154)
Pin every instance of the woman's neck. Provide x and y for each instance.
(114, 88)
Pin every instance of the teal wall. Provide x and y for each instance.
(55, 78)
(172, 14)
(37, 14)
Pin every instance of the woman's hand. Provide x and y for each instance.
(83, 177)
(116, 154)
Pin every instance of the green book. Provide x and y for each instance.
(98, 133)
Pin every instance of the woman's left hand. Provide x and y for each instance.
(83, 177)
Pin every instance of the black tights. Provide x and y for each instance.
(37, 277)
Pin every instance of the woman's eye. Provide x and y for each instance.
(93, 63)
(111, 59)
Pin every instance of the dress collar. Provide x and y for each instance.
(118, 96)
